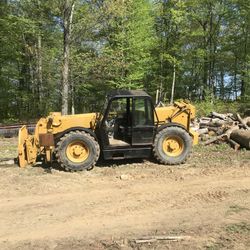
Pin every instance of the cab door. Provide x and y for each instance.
(142, 121)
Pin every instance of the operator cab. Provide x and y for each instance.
(127, 124)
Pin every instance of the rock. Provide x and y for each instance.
(124, 177)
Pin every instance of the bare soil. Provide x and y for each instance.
(206, 199)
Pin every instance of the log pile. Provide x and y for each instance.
(229, 128)
(9, 131)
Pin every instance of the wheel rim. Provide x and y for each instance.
(77, 151)
(173, 146)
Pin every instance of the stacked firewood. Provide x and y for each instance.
(229, 128)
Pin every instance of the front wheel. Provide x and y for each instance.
(172, 145)
(77, 150)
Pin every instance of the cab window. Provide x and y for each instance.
(143, 112)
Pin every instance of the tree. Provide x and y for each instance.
(170, 26)
(58, 54)
(68, 11)
(128, 42)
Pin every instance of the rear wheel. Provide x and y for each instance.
(172, 146)
(77, 151)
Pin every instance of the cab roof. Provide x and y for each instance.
(127, 93)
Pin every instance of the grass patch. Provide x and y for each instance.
(215, 246)
(8, 148)
(222, 147)
(230, 235)
(236, 209)
(238, 228)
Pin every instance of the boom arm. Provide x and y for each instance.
(180, 113)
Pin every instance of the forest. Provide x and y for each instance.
(65, 55)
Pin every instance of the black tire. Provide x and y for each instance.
(176, 154)
(71, 162)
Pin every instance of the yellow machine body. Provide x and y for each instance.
(29, 146)
(180, 113)
(42, 142)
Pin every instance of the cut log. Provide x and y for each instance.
(246, 120)
(210, 124)
(202, 131)
(204, 137)
(233, 144)
(204, 119)
(218, 115)
(230, 130)
(243, 122)
(215, 139)
(217, 131)
(242, 137)
(151, 239)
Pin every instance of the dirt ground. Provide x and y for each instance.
(207, 200)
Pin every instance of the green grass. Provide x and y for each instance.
(8, 148)
(236, 209)
(228, 238)
(215, 246)
(242, 227)
(212, 148)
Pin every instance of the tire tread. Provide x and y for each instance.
(156, 150)
(65, 137)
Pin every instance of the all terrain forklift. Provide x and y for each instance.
(129, 127)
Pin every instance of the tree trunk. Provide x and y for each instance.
(173, 87)
(245, 67)
(39, 72)
(210, 73)
(72, 97)
(39, 62)
(235, 79)
(68, 11)
(222, 87)
(205, 61)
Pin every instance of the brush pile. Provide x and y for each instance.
(230, 128)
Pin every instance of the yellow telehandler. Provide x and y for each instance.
(129, 127)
